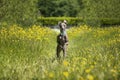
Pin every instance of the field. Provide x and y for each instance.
(28, 54)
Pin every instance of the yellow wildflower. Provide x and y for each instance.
(65, 63)
(91, 66)
(87, 70)
(90, 77)
(66, 74)
(51, 75)
(113, 71)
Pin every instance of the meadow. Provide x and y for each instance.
(28, 53)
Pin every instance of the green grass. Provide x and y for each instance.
(93, 53)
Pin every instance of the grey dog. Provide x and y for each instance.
(62, 39)
(62, 43)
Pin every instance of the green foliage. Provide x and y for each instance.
(58, 8)
(110, 21)
(76, 21)
(94, 10)
(51, 21)
(22, 12)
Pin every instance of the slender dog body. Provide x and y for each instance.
(61, 45)
(62, 39)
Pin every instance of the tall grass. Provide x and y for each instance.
(100, 48)
(27, 54)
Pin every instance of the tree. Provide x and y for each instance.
(58, 7)
(95, 10)
(18, 11)
(46, 7)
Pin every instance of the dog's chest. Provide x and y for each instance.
(62, 39)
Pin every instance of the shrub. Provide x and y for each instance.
(50, 21)
(76, 21)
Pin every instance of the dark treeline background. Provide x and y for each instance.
(26, 12)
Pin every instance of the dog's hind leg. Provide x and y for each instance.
(58, 51)
(64, 51)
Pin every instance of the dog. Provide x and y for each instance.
(62, 39)
(62, 43)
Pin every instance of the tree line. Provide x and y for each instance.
(26, 11)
